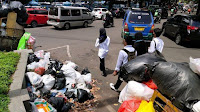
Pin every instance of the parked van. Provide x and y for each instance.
(67, 16)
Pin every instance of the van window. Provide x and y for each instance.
(65, 13)
(104, 10)
(85, 11)
(43, 12)
(53, 11)
(140, 17)
(75, 12)
(96, 10)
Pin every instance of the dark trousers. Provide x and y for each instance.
(118, 83)
(102, 64)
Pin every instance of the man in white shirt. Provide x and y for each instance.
(122, 59)
(102, 43)
(157, 43)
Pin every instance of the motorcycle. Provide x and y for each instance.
(172, 12)
(108, 21)
(157, 16)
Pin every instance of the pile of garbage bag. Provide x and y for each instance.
(18, 8)
(26, 42)
(55, 86)
(178, 82)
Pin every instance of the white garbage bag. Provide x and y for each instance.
(71, 64)
(69, 72)
(87, 78)
(48, 81)
(79, 78)
(34, 78)
(196, 107)
(40, 54)
(82, 86)
(32, 66)
(195, 65)
(135, 90)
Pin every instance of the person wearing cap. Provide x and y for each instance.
(102, 42)
(156, 43)
(122, 59)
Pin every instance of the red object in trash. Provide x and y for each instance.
(40, 70)
(129, 106)
(151, 84)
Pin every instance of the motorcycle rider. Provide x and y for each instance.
(108, 19)
(157, 15)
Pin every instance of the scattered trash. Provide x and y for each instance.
(61, 85)
(129, 106)
(195, 65)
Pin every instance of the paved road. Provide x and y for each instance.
(77, 45)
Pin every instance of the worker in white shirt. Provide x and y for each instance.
(157, 43)
(122, 59)
(102, 43)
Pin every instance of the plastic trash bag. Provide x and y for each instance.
(60, 83)
(136, 69)
(60, 74)
(43, 106)
(40, 70)
(48, 81)
(32, 58)
(178, 82)
(129, 106)
(4, 10)
(87, 78)
(23, 41)
(85, 71)
(82, 86)
(150, 84)
(59, 104)
(195, 65)
(135, 90)
(32, 66)
(82, 95)
(69, 72)
(56, 65)
(34, 78)
(31, 42)
(79, 78)
(196, 107)
(146, 107)
(39, 54)
(71, 64)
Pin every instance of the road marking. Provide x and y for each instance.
(56, 48)
(68, 53)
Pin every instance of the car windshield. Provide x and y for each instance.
(96, 10)
(140, 17)
(53, 11)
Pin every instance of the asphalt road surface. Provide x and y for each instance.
(77, 45)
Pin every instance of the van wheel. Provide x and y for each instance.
(85, 25)
(34, 24)
(178, 39)
(67, 26)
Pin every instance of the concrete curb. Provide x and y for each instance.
(18, 93)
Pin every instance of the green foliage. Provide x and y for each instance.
(8, 63)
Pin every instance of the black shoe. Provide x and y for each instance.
(104, 74)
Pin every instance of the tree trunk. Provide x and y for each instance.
(198, 10)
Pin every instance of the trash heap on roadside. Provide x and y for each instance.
(178, 82)
(55, 86)
(26, 42)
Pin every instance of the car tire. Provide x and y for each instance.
(56, 28)
(67, 26)
(102, 17)
(178, 39)
(93, 18)
(85, 24)
(34, 24)
(164, 32)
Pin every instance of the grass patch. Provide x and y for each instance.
(8, 63)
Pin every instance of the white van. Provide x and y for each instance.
(67, 16)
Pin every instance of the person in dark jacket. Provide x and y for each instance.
(139, 44)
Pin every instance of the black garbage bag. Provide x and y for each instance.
(56, 65)
(82, 95)
(136, 68)
(19, 8)
(177, 82)
(69, 94)
(32, 57)
(60, 83)
(60, 74)
(59, 104)
(4, 10)
(85, 71)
